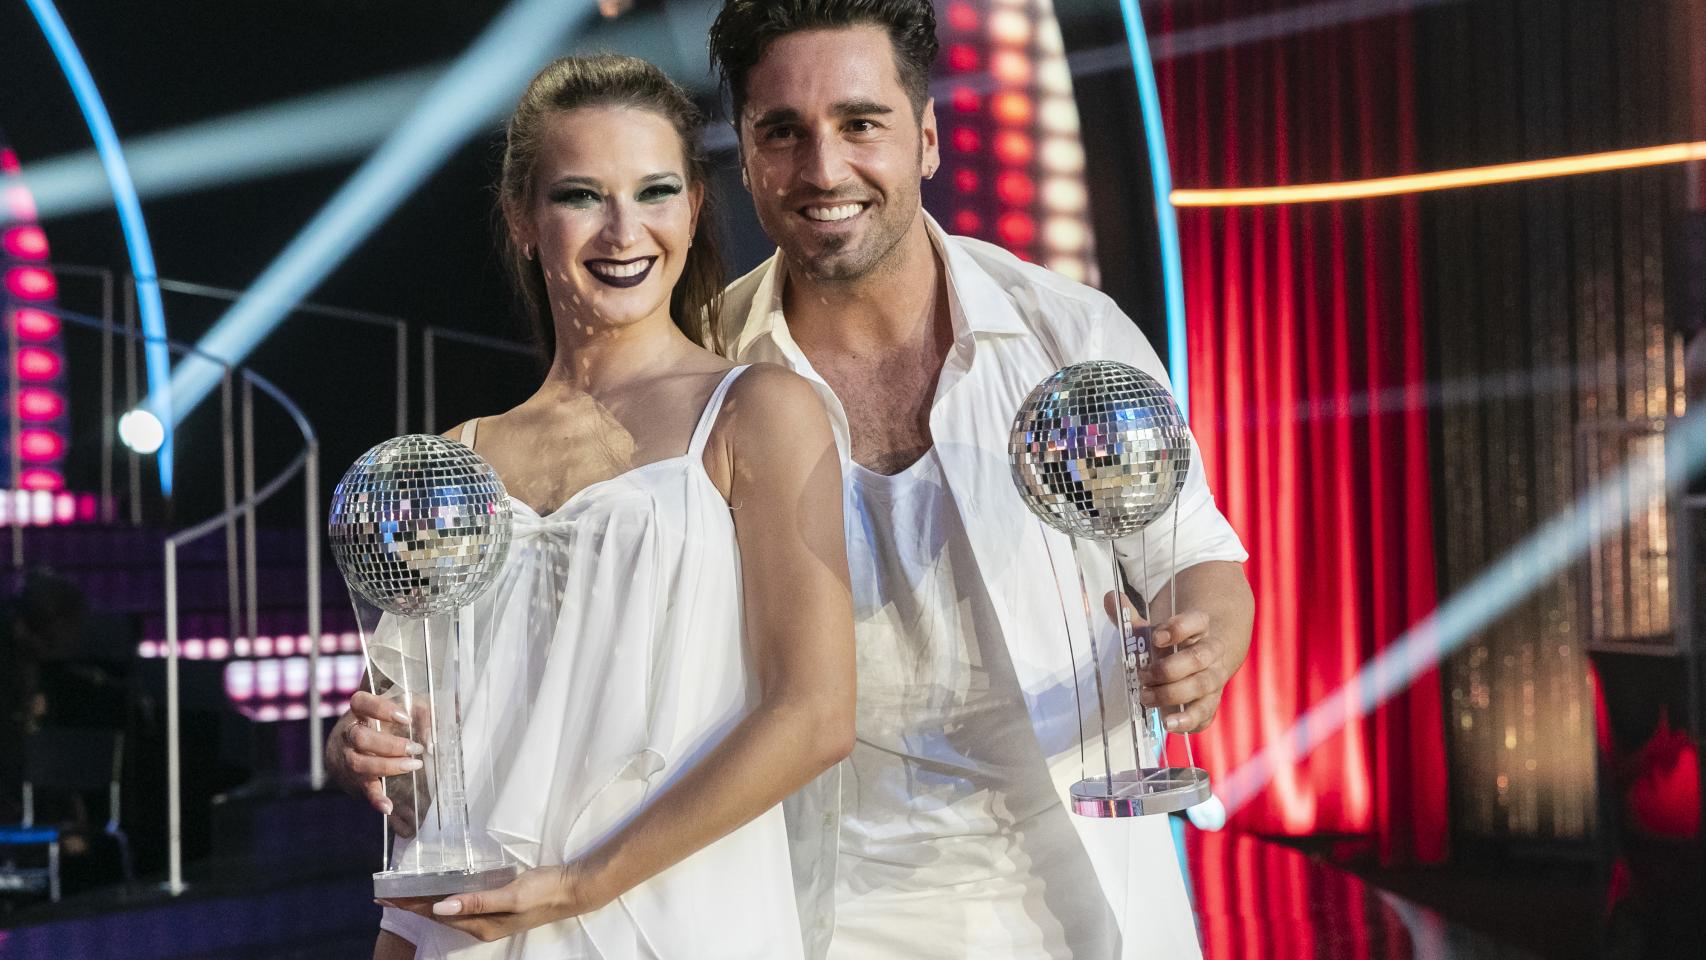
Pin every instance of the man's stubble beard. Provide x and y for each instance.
(827, 267)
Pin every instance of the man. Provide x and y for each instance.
(946, 835)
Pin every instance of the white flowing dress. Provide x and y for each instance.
(608, 658)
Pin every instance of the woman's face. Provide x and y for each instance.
(612, 216)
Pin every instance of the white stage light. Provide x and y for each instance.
(141, 431)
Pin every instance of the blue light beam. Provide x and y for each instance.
(1166, 220)
(1534, 561)
(331, 126)
(479, 85)
(153, 313)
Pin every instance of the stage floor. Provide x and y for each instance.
(1255, 900)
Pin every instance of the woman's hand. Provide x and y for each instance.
(539, 896)
(360, 755)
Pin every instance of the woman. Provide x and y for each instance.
(672, 631)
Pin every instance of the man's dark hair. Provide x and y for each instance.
(746, 28)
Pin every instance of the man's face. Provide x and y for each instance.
(832, 151)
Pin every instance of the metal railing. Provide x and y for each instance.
(429, 373)
(306, 463)
(399, 328)
(242, 491)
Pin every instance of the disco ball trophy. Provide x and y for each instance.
(420, 526)
(1099, 451)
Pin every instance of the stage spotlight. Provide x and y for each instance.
(1010, 27)
(141, 431)
(26, 243)
(16, 202)
(1066, 234)
(1058, 114)
(1011, 67)
(1072, 268)
(483, 81)
(1065, 195)
(1062, 155)
(962, 17)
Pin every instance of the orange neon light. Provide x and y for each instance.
(1444, 179)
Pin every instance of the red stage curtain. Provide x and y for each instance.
(1299, 319)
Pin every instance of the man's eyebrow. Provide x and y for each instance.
(776, 115)
(859, 108)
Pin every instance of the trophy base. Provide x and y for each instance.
(395, 884)
(1141, 793)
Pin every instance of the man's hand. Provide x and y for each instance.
(1189, 666)
(359, 754)
(539, 896)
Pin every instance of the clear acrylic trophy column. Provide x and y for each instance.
(1099, 451)
(420, 526)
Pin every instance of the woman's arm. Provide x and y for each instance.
(775, 457)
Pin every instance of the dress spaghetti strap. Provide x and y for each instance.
(708, 419)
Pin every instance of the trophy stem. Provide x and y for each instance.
(1175, 604)
(1096, 667)
(418, 736)
(373, 688)
(1071, 651)
(1136, 641)
(456, 658)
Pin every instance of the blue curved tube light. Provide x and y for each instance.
(158, 360)
(1166, 220)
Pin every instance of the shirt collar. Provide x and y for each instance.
(976, 302)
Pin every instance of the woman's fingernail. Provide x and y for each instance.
(412, 764)
(447, 908)
(1163, 637)
(414, 749)
(389, 806)
(1174, 723)
(399, 716)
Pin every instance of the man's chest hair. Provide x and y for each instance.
(887, 403)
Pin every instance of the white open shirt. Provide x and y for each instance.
(1014, 324)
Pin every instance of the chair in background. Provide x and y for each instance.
(64, 760)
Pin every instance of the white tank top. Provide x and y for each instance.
(953, 841)
(609, 657)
